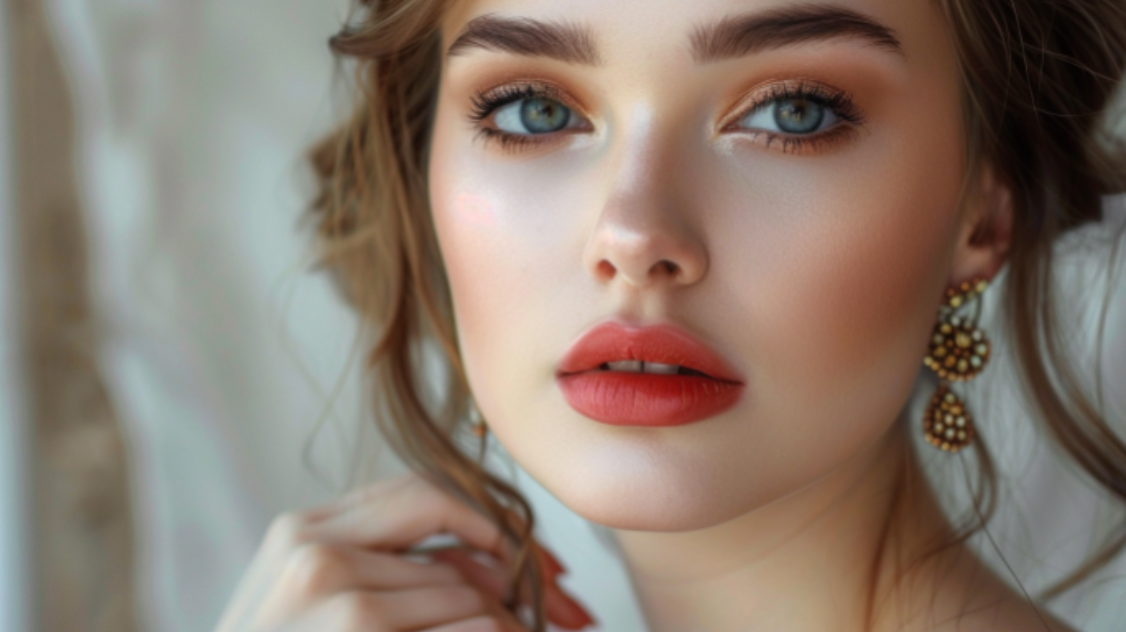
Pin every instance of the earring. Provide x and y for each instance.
(958, 352)
(477, 423)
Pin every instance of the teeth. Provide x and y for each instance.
(638, 366)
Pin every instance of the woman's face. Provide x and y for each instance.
(787, 195)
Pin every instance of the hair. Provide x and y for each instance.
(1038, 80)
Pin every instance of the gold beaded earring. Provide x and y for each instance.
(958, 352)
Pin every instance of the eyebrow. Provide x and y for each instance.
(730, 37)
(529, 37)
(736, 36)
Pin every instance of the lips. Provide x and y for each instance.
(704, 385)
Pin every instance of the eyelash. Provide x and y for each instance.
(484, 103)
(837, 101)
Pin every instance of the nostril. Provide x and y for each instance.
(606, 269)
(670, 267)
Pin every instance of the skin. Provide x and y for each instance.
(816, 273)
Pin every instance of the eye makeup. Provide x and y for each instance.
(485, 103)
(801, 94)
(795, 95)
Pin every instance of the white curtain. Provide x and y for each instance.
(15, 594)
(228, 360)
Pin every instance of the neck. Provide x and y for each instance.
(811, 561)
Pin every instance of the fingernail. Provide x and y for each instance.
(587, 619)
(568, 612)
(553, 565)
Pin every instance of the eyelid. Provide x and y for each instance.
(517, 90)
(840, 101)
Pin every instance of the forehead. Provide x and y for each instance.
(613, 30)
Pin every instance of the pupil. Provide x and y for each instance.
(543, 115)
(798, 116)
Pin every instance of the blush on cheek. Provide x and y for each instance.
(858, 298)
(885, 302)
(474, 209)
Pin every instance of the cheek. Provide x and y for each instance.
(507, 250)
(843, 279)
(473, 210)
(472, 232)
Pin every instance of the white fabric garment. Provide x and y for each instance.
(223, 351)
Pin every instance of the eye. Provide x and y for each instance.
(800, 117)
(537, 115)
(796, 116)
(523, 115)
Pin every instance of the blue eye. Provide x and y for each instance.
(531, 114)
(536, 115)
(797, 116)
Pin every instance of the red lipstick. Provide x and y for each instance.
(660, 376)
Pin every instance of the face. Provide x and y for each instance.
(790, 200)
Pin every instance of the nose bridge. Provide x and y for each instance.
(641, 157)
(644, 233)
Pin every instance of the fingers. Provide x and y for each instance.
(562, 609)
(394, 611)
(402, 511)
(394, 516)
(349, 518)
(316, 570)
(346, 566)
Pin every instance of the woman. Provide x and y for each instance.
(686, 259)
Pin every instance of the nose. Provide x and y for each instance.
(643, 237)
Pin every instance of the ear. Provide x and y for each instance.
(986, 231)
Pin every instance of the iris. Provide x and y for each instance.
(543, 115)
(798, 116)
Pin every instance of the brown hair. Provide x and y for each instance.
(1038, 79)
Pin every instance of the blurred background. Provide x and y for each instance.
(174, 372)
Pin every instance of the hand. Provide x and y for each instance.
(341, 568)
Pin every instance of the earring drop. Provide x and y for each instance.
(947, 424)
(958, 352)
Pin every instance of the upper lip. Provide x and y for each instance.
(664, 344)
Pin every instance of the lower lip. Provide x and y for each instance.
(647, 399)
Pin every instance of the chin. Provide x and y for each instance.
(632, 492)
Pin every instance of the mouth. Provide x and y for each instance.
(646, 376)
(652, 368)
